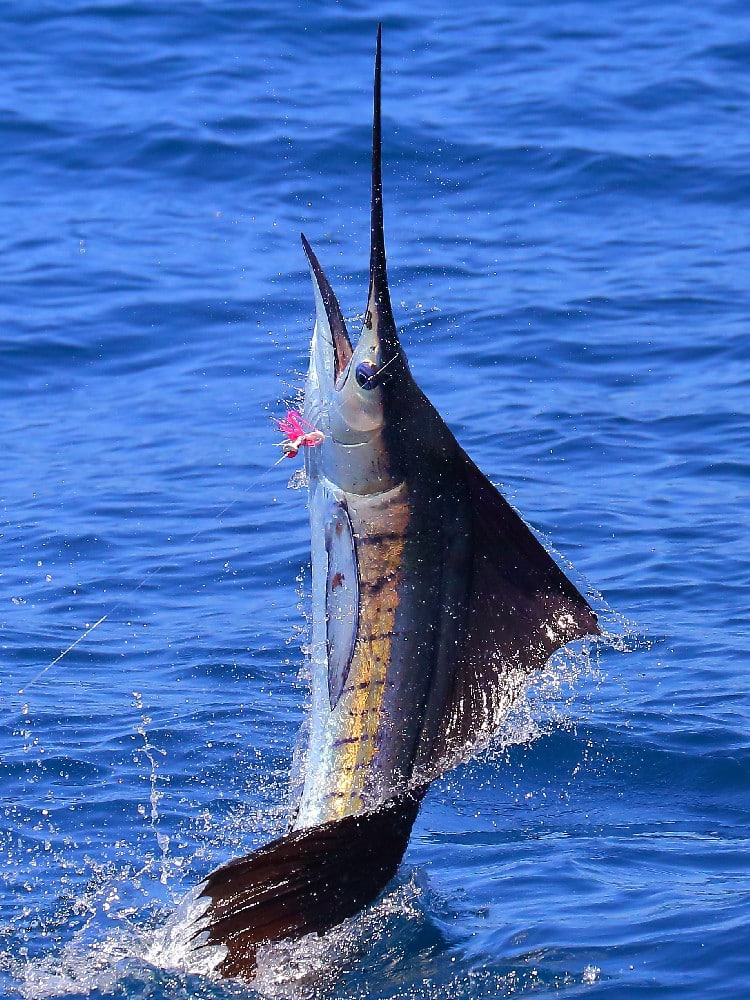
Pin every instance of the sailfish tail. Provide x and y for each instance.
(304, 882)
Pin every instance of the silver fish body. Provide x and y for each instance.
(432, 600)
(432, 604)
(390, 564)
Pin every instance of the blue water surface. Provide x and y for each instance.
(567, 204)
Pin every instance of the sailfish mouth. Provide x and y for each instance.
(342, 345)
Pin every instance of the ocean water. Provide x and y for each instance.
(567, 211)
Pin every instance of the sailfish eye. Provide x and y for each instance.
(366, 374)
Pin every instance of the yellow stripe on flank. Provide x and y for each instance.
(380, 534)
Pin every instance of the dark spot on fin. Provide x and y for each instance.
(306, 881)
(342, 600)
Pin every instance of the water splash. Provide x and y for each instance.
(152, 753)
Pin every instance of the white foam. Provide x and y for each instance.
(296, 969)
(175, 945)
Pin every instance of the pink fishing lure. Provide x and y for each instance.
(298, 434)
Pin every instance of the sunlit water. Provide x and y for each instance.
(567, 210)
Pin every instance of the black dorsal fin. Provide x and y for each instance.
(521, 608)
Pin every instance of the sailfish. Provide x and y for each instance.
(432, 602)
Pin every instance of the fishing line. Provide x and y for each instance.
(376, 376)
(43, 671)
(255, 482)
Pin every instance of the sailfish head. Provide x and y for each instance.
(350, 389)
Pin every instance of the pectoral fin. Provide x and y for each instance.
(342, 600)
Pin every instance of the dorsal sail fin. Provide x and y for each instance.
(521, 608)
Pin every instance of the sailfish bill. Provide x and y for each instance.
(432, 603)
